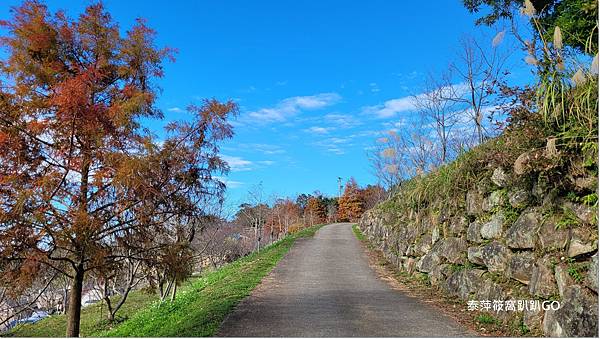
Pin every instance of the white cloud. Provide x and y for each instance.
(237, 164)
(342, 120)
(319, 130)
(374, 87)
(336, 150)
(291, 106)
(395, 125)
(338, 141)
(366, 133)
(270, 114)
(343, 143)
(392, 107)
(487, 110)
(175, 109)
(233, 184)
(267, 149)
(230, 183)
(335, 145)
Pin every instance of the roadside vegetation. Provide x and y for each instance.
(196, 311)
(544, 130)
(358, 233)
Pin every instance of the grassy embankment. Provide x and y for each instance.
(197, 311)
(358, 233)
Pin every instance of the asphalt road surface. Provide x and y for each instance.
(324, 287)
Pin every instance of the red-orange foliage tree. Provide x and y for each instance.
(351, 204)
(289, 213)
(314, 212)
(282, 216)
(372, 195)
(82, 185)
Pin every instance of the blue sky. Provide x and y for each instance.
(312, 78)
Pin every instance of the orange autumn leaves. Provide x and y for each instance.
(351, 204)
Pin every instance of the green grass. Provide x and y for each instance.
(568, 219)
(361, 237)
(486, 319)
(358, 233)
(92, 318)
(523, 328)
(577, 271)
(198, 309)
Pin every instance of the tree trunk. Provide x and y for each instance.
(106, 297)
(280, 226)
(112, 311)
(256, 236)
(161, 288)
(167, 291)
(65, 300)
(174, 290)
(74, 312)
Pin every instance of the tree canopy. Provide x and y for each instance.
(577, 18)
(82, 184)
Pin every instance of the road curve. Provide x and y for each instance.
(324, 287)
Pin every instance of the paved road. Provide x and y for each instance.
(324, 287)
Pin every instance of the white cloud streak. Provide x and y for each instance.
(231, 183)
(291, 106)
(393, 107)
(318, 130)
(342, 120)
(175, 109)
(237, 164)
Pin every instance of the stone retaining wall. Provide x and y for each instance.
(506, 243)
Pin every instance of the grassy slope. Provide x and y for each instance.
(91, 320)
(197, 311)
(358, 233)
